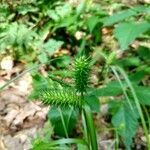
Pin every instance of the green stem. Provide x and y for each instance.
(85, 132)
(117, 141)
(90, 127)
(85, 128)
(147, 115)
(63, 122)
(123, 89)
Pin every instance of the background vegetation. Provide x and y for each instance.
(51, 34)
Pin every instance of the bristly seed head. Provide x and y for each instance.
(70, 96)
(60, 97)
(81, 73)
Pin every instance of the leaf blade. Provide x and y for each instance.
(126, 33)
(126, 123)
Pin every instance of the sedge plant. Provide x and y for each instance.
(74, 96)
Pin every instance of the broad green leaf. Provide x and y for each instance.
(17, 35)
(81, 7)
(52, 45)
(115, 18)
(143, 94)
(81, 147)
(137, 76)
(142, 9)
(67, 21)
(43, 58)
(39, 82)
(42, 83)
(63, 10)
(144, 53)
(60, 12)
(125, 121)
(126, 14)
(24, 9)
(111, 89)
(69, 116)
(129, 61)
(24, 36)
(4, 12)
(63, 61)
(114, 105)
(8, 36)
(93, 102)
(126, 33)
(52, 14)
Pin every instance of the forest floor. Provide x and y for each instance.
(19, 118)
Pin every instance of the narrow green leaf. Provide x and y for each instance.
(92, 22)
(68, 141)
(57, 144)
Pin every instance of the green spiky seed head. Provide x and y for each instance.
(60, 97)
(81, 73)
